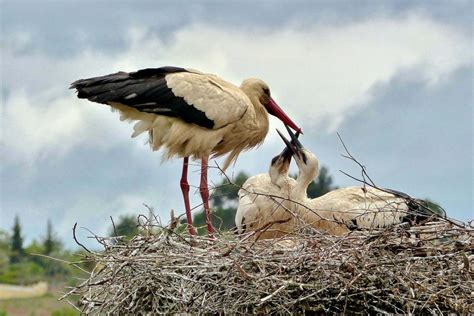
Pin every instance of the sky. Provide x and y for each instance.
(393, 78)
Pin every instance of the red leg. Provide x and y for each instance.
(204, 189)
(185, 188)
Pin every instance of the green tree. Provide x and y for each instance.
(322, 185)
(4, 241)
(4, 250)
(227, 192)
(16, 243)
(126, 226)
(50, 242)
(434, 207)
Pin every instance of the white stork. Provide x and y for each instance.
(262, 196)
(190, 113)
(344, 209)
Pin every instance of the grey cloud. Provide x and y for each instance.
(63, 28)
(413, 138)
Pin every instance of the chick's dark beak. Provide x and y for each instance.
(286, 154)
(294, 139)
(292, 148)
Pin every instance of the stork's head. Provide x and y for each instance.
(307, 162)
(280, 165)
(257, 90)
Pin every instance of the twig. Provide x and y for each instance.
(77, 241)
(113, 225)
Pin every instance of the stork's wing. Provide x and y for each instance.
(196, 98)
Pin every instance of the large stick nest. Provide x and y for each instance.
(419, 269)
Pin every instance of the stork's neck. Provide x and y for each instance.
(283, 182)
(261, 115)
(261, 120)
(308, 166)
(303, 180)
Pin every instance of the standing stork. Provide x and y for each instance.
(191, 114)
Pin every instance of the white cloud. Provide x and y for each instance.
(49, 125)
(318, 74)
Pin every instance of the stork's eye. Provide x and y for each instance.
(266, 91)
(274, 160)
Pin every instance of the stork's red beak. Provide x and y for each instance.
(275, 110)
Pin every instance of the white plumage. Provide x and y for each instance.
(344, 209)
(340, 210)
(189, 114)
(336, 212)
(205, 91)
(263, 197)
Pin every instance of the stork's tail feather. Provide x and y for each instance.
(421, 210)
(94, 88)
(418, 209)
(123, 85)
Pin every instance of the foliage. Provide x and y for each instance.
(45, 305)
(4, 249)
(30, 267)
(4, 240)
(126, 226)
(65, 311)
(50, 241)
(16, 244)
(222, 218)
(322, 185)
(435, 207)
(226, 192)
(25, 272)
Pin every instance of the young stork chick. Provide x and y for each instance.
(262, 199)
(345, 209)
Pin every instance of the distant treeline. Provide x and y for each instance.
(28, 264)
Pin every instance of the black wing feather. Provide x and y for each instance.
(145, 90)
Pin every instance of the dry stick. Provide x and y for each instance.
(363, 169)
(266, 298)
(60, 260)
(113, 225)
(77, 241)
(100, 240)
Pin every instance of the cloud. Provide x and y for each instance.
(47, 126)
(320, 75)
(323, 74)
